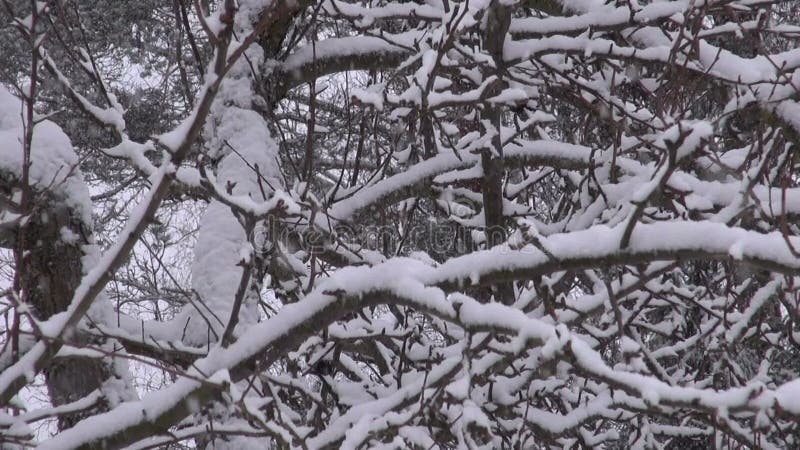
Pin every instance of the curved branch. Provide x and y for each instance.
(412, 283)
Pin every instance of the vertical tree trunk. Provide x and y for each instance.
(497, 23)
(52, 271)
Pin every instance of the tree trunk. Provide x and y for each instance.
(497, 23)
(52, 270)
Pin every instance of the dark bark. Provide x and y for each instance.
(53, 270)
(497, 24)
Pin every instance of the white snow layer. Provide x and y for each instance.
(242, 138)
(54, 164)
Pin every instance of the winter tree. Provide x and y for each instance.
(400, 224)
